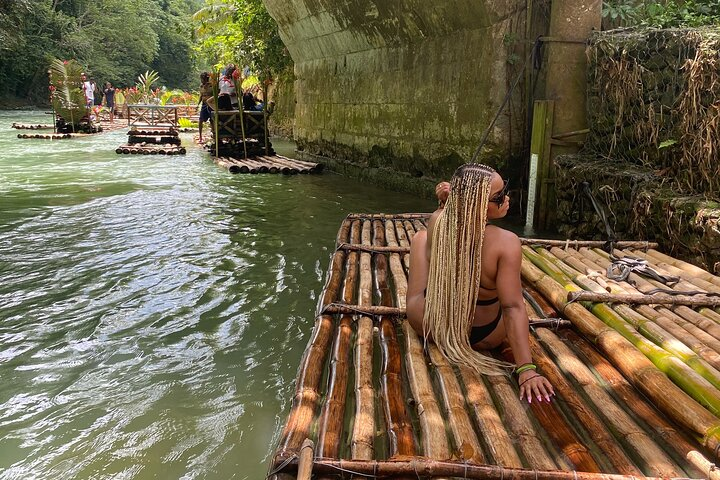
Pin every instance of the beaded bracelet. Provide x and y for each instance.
(525, 367)
(528, 379)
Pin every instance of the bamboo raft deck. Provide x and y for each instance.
(636, 373)
(268, 164)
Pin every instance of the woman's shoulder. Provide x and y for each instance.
(501, 236)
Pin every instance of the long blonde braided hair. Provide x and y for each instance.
(455, 267)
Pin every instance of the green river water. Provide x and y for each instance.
(154, 309)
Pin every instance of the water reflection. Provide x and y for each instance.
(154, 309)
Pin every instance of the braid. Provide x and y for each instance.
(455, 267)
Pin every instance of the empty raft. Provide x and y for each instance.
(28, 126)
(268, 164)
(47, 136)
(635, 371)
(152, 141)
(150, 149)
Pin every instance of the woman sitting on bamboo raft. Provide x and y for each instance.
(464, 289)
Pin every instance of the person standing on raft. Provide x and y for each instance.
(464, 289)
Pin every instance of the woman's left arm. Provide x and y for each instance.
(509, 288)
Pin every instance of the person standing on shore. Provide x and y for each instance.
(87, 90)
(110, 100)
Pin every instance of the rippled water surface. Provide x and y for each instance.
(153, 309)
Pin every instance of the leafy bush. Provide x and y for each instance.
(667, 14)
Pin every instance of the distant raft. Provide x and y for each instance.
(28, 126)
(152, 141)
(635, 371)
(268, 164)
(46, 136)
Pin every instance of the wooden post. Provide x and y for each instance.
(571, 22)
(539, 163)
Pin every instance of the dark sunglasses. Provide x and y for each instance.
(499, 198)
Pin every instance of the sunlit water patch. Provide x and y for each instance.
(153, 309)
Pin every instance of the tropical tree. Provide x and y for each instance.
(243, 32)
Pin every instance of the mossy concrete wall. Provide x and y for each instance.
(405, 85)
(282, 120)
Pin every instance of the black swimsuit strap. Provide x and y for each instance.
(484, 303)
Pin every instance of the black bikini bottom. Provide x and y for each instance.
(478, 334)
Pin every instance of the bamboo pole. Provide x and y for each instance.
(531, 441)
(705, 345)
(546, 309)
(374, 248)
(586, 243)
(305, 460)
(662, 430)
(577, 450)
(293, 164)
(423, 468)
(655, 299)
(362, 446)
(690, 380)
(669, 269)
(670, 398)
(402, 235)
(567, 395)
(332, 415)
(395, 264)
(399, 426)
(689, 269)
(292, 168)
(628, 432)
(644, 285)
(305, 163)
(495, 436)
(305, 400)
(650, 330)
(244, 167)
(433, 436)
(231, 167)
(392, 216)
(464, 437)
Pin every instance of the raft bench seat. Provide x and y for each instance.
(229, 124)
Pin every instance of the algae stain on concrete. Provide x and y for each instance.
(401, 85)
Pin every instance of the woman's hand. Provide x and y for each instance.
(442, 190)
(532, 384)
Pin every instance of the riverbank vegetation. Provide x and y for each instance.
(663, 14)
(117, 40)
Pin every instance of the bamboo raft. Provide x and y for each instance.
(635, 367)
(47, 136)
(144, 149)
(268, 164)
(28, 126)
(152, 141)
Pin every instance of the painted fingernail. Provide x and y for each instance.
(539, 398)
(529, 399)
(547, 397)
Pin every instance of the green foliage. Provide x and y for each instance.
(186, 123)
(145, 84)
(664, 14)
(67, 96)
(113, 39)
(241, 32)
